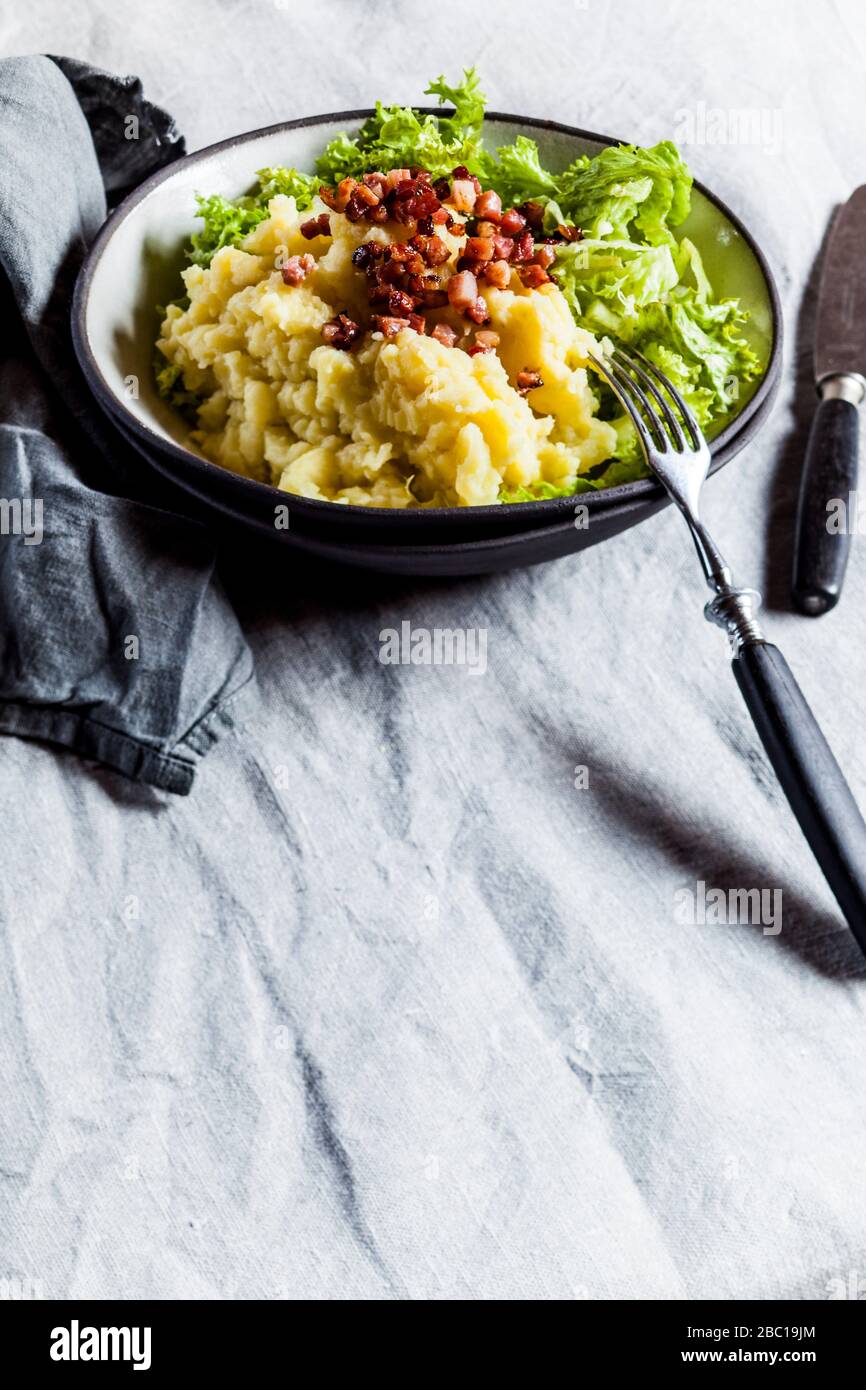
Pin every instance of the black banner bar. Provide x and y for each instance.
(161, 1339)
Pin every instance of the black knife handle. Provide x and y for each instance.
(809, 775)
(829, 473)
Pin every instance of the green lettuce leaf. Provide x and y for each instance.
(398, 137)
(628, 465)
(225, 224)
(517, 175)
(468, 101)
(625, 185)
(537, 492)
(628, 275)
(302, 187)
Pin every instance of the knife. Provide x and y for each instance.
(829, 482)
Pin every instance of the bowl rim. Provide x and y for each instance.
(543, 509)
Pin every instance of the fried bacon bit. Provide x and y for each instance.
(401, 251)
(461, 172)
(524, 248)
(462, 290)
(528, 380)
(377, 182)
(479, 248)
(411, 200)
(397, 270)
(512, 223)
(436, 252)
(544, 256)
(534, 215)
(569, 232)
(398, 303)
(479, 312)
(533, 276)
(489, 205)
(484, 229)
(431, 249)
(390, 326)
(341, 332)
(504, 247)
(366, 253)
(497, 274)
(317, 226)
(338, 201)
(485, 341)
(433, 295)
(296, 269)
(463, 195)
(444, 334)
(361, 201)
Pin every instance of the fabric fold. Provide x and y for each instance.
(116, 638)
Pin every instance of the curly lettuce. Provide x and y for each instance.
(226, 223)
(399, 137)
(626, 189)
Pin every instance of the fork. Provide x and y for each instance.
(810, 777)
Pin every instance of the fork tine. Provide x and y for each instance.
(607, 370)
(673, 424)
(631, 397)
(688, 418)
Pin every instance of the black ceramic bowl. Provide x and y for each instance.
(133, 266)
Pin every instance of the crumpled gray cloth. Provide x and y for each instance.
(116, 639)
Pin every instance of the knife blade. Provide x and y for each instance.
(828, 486)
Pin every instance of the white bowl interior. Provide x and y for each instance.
(139, 265)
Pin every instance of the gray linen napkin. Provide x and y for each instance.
(116, 639)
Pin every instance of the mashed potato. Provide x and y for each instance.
(402, 421)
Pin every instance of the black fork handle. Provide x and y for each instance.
(809, 775)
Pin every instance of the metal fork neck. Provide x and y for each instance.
(715, 567)
(732, 609)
